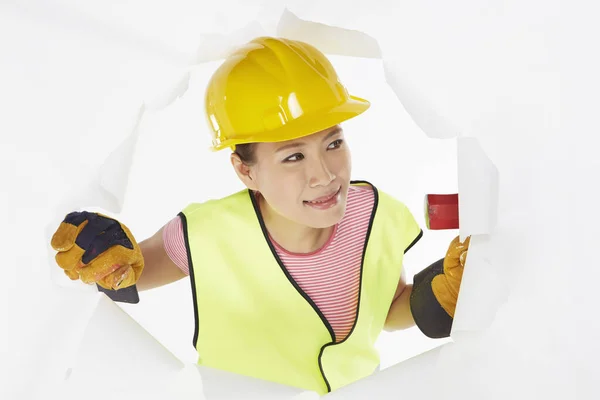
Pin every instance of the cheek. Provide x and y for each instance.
(282, 188)
(341, 164)
(291, 187)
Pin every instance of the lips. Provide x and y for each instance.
(324, 199)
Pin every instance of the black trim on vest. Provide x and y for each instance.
(419, 236)
(192, 278)
(293, 282)
(362, 264)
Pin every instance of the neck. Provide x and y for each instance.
(294, 237)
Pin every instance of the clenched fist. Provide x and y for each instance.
(97, 249)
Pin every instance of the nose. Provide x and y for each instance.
(320, 174)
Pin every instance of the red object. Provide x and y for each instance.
(441, 211)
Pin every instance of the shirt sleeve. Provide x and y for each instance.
(174, 244)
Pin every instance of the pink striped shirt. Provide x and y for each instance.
(330, 276)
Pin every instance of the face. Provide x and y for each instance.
(304, 180)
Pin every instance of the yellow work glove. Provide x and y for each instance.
(445, 286)
(97, 249)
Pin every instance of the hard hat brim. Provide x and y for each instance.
(306, 125)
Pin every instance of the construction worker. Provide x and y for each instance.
(294, 277)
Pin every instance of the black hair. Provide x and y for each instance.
(246, 153)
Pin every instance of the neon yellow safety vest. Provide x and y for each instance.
(253, 319)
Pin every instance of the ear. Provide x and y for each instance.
(243, 171)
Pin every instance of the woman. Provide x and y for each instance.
(294, 278)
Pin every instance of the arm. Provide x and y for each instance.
(159, 269)
(399, 316)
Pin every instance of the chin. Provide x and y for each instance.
(327, 218)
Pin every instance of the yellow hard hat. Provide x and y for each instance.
(274, 89)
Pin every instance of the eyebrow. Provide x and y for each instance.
(298, 144)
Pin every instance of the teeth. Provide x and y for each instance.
(319, 202)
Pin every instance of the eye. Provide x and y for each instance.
(294, 157)
(336, 144)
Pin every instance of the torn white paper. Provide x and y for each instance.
(329, 39)
(116, 348)
(478, 189)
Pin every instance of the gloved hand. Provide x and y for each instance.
(97, 249)
(445, 286)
